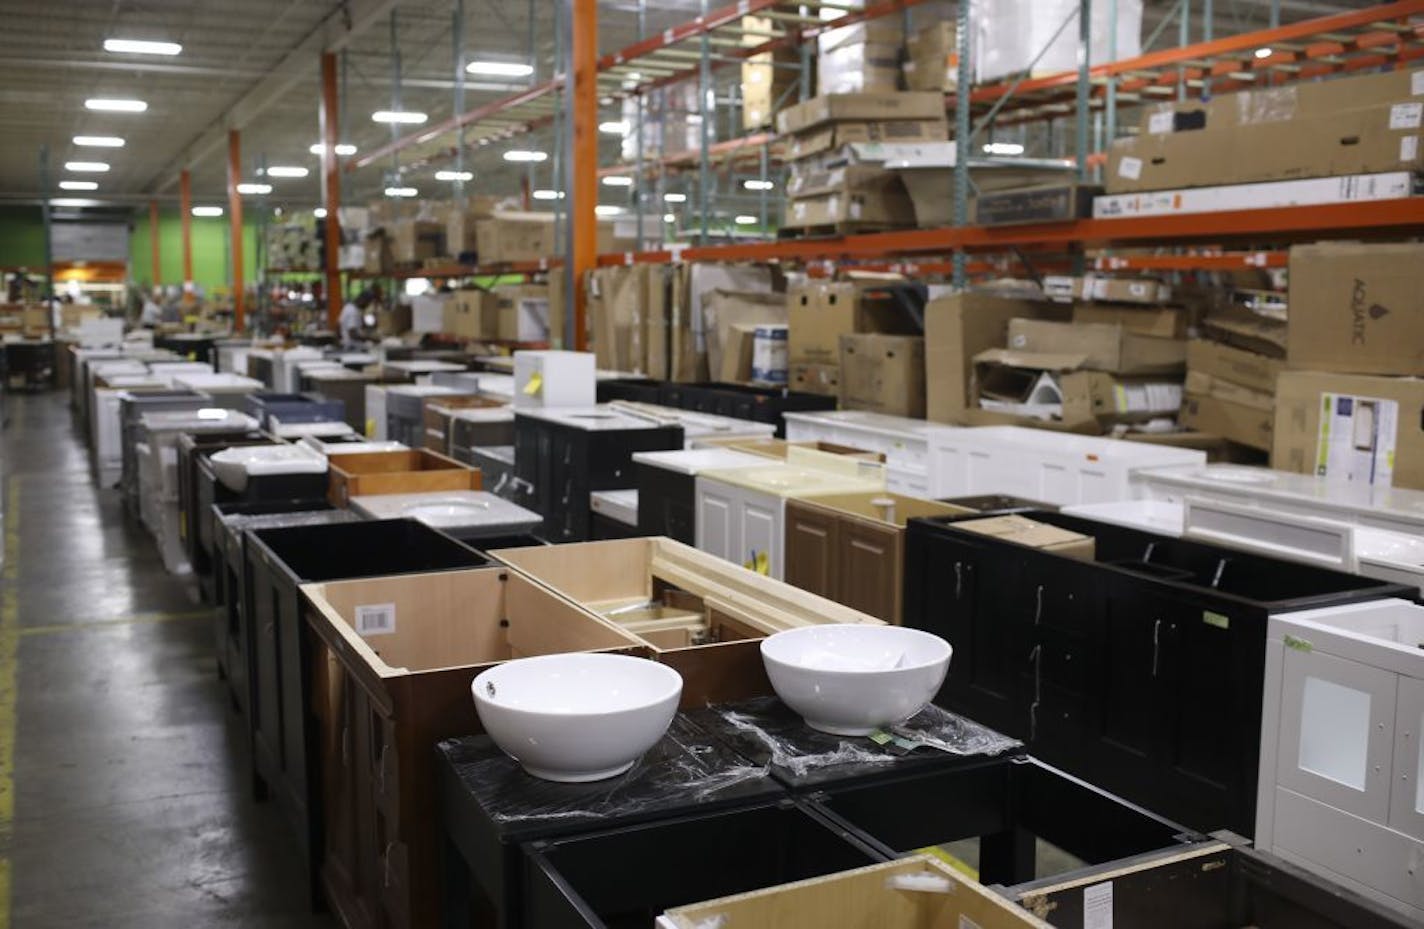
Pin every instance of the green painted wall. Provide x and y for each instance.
(21, 237)
(211, 260)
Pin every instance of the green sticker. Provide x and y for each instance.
(1219, 620)
(881, 737)
(1300, 645)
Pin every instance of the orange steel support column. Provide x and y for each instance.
(585, 158)
(234, 209)
(331, 187)
(185, 207)
(153, 241)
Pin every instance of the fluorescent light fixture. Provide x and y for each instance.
(1264, 53)
(141, 47)
(669, 218)
(454, 175)
(617, 180)
(675, 198)
(614, 127)
(499, 68)
(99, 141)
(548, 195)
(254, 189)
(73, 201)
(1003, 148)
(401, 192)
(745, 220)
(319, 212)
(287, 171)
(89, 167)
(519, 154)
(413, 117)
(342, 148)
(111, 105)
(604, 209)
(207, 211)
(78, 185)
(758, 184)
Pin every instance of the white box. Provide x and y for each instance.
(554, 379)
(1313, 192)
(427, 313)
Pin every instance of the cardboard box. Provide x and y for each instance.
(722, 310)
(517, 313)
(843, 179)
(464, 313)
(820, 312)
(511, 236)
(1167, 322)
(1237, 366)
(1357, 308)
(1317, 191)
(1244, 423)
(1054, 387)
(931, 58)
(1106, 289)
(1247, 332)
(959, 327)
(766, 76)
(883, 373)
(737, 348)
(1023, 531)
(823, 379)
(859, 67)
(1103, 347)
(861, 107)
(884, 30)
(393, 320)
(416, 240)
(1041, 203)
(461, 219)
(378, 254)
(887, 207)
(834, 136)
(1361, 141)
(1350, 427)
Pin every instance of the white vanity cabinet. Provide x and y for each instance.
(904, 442)
(1341, 788)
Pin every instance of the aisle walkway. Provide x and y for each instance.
(123, 798)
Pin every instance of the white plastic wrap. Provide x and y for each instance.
(1008, 35)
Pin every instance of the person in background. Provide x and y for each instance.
(352, 320)
(151, 314)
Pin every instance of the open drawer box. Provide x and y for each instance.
(403, 472)
(699, 614)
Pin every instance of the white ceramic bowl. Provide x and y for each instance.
(849, 679)
(233, 466)
(579, 717)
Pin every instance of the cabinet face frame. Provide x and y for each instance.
(1406, 807)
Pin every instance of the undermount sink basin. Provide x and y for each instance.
(451, 511)
(577, 718)
(235, 466)
(849, 679)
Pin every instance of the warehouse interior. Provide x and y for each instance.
(926, 464)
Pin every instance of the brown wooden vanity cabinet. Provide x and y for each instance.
(844, 548)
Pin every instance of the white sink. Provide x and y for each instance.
(1149, 515)
(577, 718)
(851, 679)
(234, 466)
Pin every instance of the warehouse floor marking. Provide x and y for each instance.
(88, 625)
(9, 645)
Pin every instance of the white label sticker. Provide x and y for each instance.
(1356, 440)
(1416, 82)
(1409, 148)
(1098, 906)
(376, 619)
(1159, 123)
(1130, 168)
(1406, 115)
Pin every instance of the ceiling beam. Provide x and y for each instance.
(346, 20)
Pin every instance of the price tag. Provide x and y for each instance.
(375, 619)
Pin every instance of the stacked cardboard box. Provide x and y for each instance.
(506, 313)
(1349, 126)
(827, 188)
(628, 310)
(821, 314)
(672, 121)
(767, 77)
(462, 217)
(1232, 368)
(861, 58)
(932, 58)
(1351, 402)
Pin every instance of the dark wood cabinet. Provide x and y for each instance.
(812, 549)
(1140, 671)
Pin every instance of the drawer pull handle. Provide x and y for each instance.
(958, 580)
(1038, 605)
(1156, 645)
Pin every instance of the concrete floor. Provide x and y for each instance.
(124, 797)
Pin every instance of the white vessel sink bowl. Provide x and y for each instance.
(576, 718)
(234, 466)
(853, 679)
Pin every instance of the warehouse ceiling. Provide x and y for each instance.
(254, 65)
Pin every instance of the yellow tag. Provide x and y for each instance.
(759, 562)
(536, 381)
(955, 863)
(370, 428)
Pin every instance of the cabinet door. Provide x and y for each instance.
(1337, 732)
(811, 549)
(762, 544)
(869, 568)
(1136, 630)
(1406, 806)
(717, 518)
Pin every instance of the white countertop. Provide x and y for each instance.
(697, 460)
(619, 505)
(591, 418)
(451, 509)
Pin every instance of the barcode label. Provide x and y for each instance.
(376, 619)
